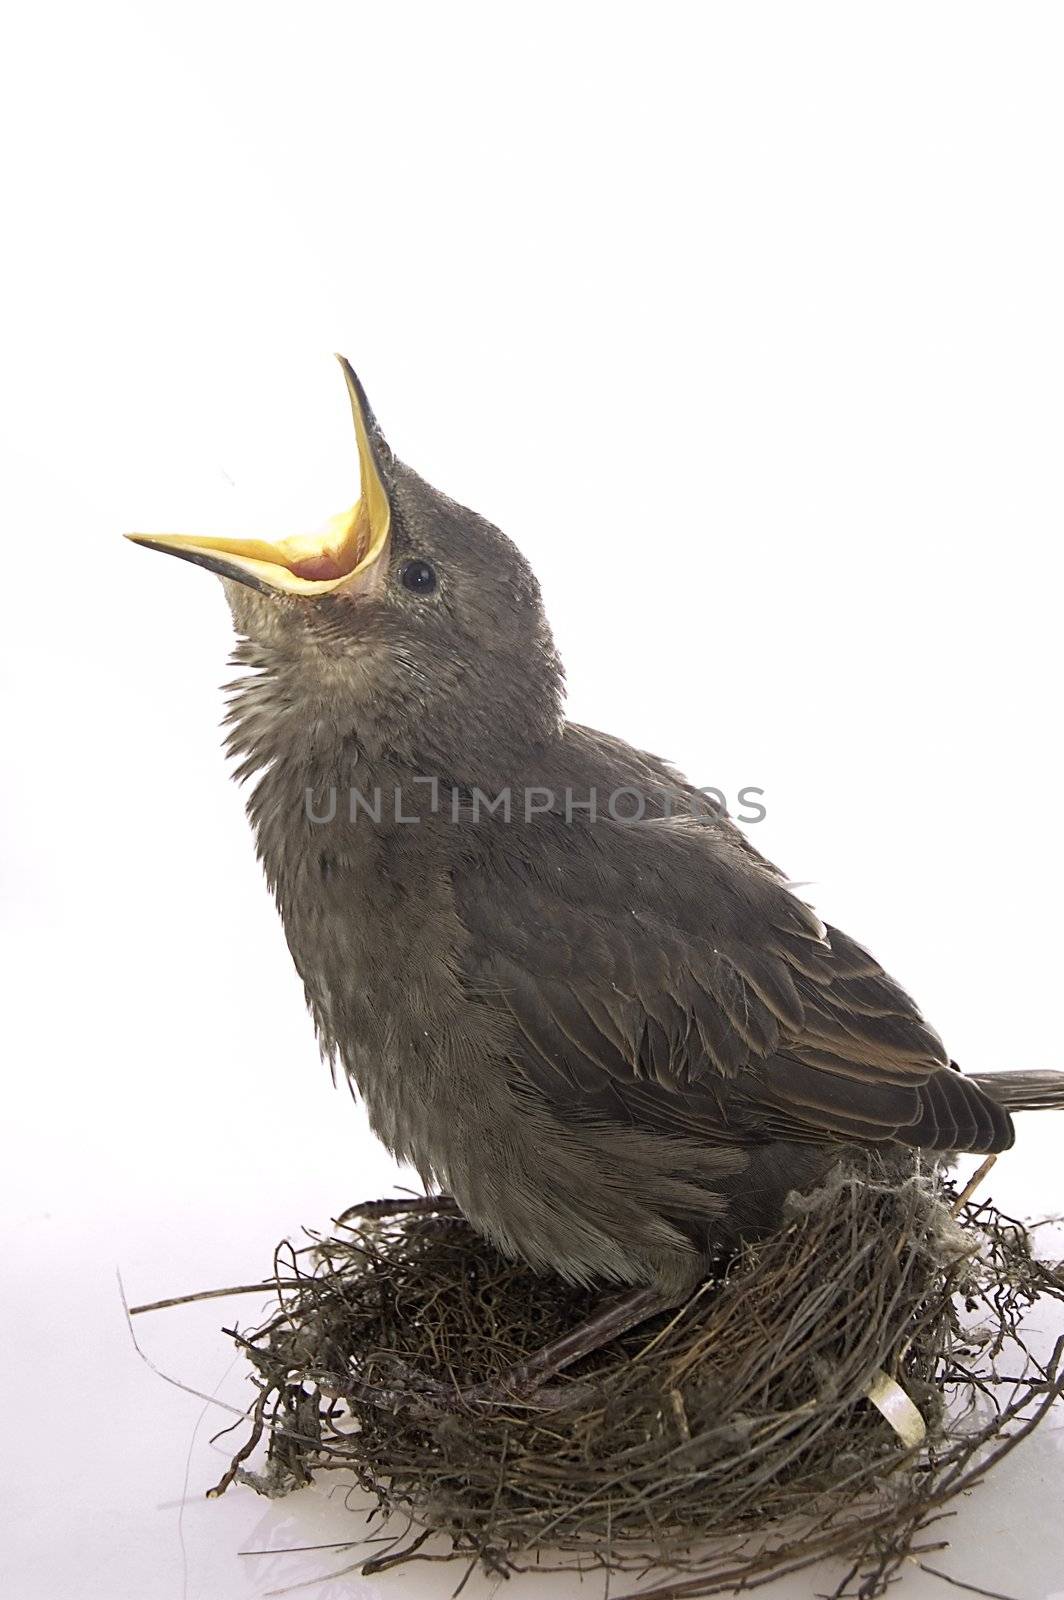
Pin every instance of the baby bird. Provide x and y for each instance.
(567, 991)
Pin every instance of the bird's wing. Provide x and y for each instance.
(660, 973)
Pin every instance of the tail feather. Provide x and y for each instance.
(956, 1114)
(1022, 1091)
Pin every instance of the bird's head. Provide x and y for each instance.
(409, 623)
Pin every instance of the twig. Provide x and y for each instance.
(972, 1185)
(165, 1376)
(258, 1425)
(214, 1294)
(971, 1588)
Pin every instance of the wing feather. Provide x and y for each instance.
(717, 1002)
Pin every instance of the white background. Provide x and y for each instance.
(746, 322)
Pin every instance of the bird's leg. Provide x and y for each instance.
(526, 1380)
(430, 1204)
(609, 1322)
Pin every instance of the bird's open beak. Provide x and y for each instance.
(346, 549)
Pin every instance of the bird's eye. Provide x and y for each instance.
(418, 576)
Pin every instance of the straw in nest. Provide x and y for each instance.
(727, 1443)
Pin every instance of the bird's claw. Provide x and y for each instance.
(412, 1387)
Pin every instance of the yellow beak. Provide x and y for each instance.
(306, 564)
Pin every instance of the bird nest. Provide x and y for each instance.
(743, 1437)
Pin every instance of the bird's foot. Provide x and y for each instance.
(526, 1383)
(429, 1204)
(417, 1389)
